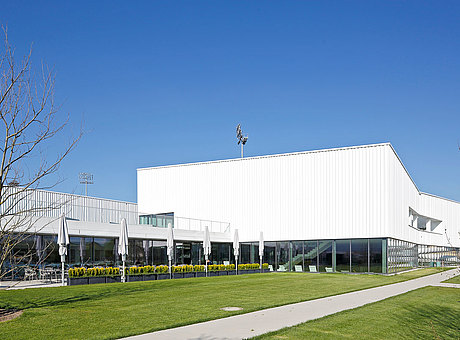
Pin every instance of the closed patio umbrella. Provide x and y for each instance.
(82, 250)
(123, 245)
(206, 247)
(261, 249)
(39, 248)
(170, 246)
(236, 248)
(63, 241)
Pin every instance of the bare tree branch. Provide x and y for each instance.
(30, 122)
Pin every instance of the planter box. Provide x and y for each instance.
(188, 275)
(133, 278)
(112, 279)
(178, 275)
(74, 281)
(231, 272)
(162, 276)
(213, 273)
(150, 277)
(222, 273)
(200, 274)
(96, 279)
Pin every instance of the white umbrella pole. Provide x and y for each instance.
(206, 265)
(123, 277)
(261, 264)
(236, 266)
(170, 274)
(62, 271)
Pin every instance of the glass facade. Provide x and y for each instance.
(355, 255)
(402, 255)
(359, 255)
(157, 220)
(310, 254)
(324, 255)
(342, 256)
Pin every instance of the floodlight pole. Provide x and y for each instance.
(241, 150)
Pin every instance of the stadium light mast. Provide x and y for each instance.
(241, 139)
(86, 178)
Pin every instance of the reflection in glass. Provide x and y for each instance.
(325, 255)
(311, 255)
(283, 255)
(359, 255)
(297, 255)
(342, 255)
(270, 254)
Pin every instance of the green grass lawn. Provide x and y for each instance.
(455, 279)
(426, 313)
(114, 310)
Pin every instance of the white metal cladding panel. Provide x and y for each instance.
(338, 193)
(52, 204)
(404, 194)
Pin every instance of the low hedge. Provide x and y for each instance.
(140, 270)
(252, 266)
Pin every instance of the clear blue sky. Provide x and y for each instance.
(167, 82)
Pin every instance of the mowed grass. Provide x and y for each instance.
(426, 313)
(115, 310)
(455, 279)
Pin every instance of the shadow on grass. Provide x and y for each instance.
(434, 321)
(48, 297)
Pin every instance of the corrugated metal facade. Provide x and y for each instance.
(356, 192)
(52, 204)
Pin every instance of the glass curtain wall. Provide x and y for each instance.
(310, 255)
(270, 254)
(297, 256)
(282, 255)
(402, 255)
(376, 263)
(342, 256)
(359, 255)
(324, 255)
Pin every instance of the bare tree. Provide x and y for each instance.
(29, 124)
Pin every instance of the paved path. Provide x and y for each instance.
(251, 324)
(10, 285)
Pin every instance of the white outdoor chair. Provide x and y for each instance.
(328, 269)
(312, 269)
(30, 274)
(298, 268)
(226, 263)
(270, 267)
(281, 268)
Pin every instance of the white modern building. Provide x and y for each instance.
(353, 209)
(343, 199)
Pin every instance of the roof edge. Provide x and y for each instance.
(440, 197)
(274, 155)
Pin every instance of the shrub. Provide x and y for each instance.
(230, 267)
(264, 265)
(161, 269)
(213, 267)
(188, 268)
(148, 269)
(198, 268)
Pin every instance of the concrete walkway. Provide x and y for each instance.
(256, 323)
(10, 285)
